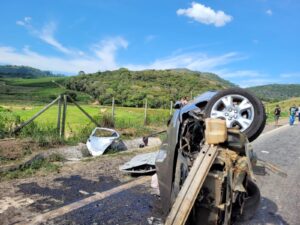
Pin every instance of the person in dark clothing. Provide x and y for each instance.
(299, 114)
(277, 113)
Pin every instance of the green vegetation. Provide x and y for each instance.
(8, 121)
(23, 71)
(45, 135)
(38, 164)
(34, 90)
(276, 92)
(128, 121)
(131, 88)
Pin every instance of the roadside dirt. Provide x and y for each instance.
(14, 149)
(25, 198)
(271, 126)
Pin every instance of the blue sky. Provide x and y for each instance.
(249, 42)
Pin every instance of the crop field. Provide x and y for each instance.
(33, 91)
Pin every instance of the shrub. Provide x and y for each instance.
(45, 136)
(8, 122)
(107, 121)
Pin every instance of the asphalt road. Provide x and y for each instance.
(280, 196)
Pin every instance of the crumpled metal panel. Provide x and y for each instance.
(144, 163)
(98, 145)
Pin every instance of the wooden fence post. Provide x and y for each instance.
(59, 114)
(64, 114)
(113, 108)
(145, 112)
(171, 107)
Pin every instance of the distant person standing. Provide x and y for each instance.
(277, 113)
(293, 111)
(299, 114)
(184, 101)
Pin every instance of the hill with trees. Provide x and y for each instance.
(130, 88)
(11, 71)
(276, 92)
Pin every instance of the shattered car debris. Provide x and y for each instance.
(228, 192)
(100, 139)
(140, 164)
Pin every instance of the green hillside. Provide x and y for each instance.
(276, 92)
(26, 91)
(10, 71)
(130, 88)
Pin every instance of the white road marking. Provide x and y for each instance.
(274, 130)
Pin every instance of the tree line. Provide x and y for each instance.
(131, 88)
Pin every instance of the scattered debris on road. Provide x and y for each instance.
(140, 164)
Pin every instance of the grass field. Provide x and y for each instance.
(125, 117)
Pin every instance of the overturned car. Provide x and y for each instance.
(214, 131)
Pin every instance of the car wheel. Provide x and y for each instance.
(240, 109)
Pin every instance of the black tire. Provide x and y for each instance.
(259, 119)
(251, 203)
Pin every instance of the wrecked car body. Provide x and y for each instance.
(140, 164)
(100, 139)
(228, 191)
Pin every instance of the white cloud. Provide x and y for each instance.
(106, 50)
(46, 34)
(192, 61)
(259, 79)
(290, 75)
(206, 15)
(24, 22)
(101, 58)
(269, 12)
(257, 82)
(240, 74)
